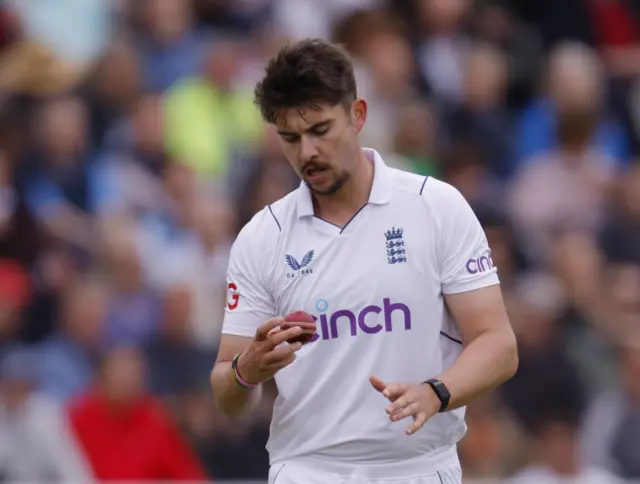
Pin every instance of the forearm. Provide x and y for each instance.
(230, 398)
(489, 360)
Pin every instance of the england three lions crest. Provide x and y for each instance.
(396, 252)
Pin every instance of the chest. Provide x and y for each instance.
(378, 259)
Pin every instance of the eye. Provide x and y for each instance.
(321, 131)
(290, 139)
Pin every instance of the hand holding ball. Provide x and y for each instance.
(304, 321)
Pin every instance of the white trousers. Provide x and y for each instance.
(294, 473)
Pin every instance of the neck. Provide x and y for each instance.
(351, 197)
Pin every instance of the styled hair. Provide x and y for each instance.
(306, 74)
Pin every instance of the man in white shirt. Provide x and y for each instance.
(395, 269)
(36, 441)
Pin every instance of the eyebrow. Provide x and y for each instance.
(321, 124)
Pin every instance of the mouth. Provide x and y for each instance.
(314, 173)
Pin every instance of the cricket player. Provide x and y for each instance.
(397, 273)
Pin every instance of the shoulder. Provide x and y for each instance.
(407, 182)
(436, 194)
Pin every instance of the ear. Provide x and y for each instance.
(359, 113)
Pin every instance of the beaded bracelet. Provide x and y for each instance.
(236, 375)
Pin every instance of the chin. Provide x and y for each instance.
(326, 188)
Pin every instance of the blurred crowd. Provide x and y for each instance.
(131, 153)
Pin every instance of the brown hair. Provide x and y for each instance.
(305, 75)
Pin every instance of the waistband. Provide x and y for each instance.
(431, 463)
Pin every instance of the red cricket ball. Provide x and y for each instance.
(305, 321)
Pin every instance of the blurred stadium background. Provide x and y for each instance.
(131, 153)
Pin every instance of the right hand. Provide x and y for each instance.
(263, 358)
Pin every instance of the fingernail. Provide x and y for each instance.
(298, 346)
(386, 393)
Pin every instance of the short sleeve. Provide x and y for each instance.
(249, 300)
(464, 255)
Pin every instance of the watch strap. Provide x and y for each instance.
(441, 391)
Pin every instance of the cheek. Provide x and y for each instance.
(290, 152)
(340, 143)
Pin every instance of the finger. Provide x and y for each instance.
(408, 411)
(283, 363)
(279, 338)
(395, 390)
(263, 330)
(278, 355)
(417, 424)
(399, 404)
(377, 383)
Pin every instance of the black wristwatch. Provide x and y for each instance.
(441, 391)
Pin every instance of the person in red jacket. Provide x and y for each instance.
(126, 432)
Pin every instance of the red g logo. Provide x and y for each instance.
(232, 296)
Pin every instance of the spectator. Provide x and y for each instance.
(557, 406)
(574, 82)
(176, 365)
(611, 425)
(414, 143)
(171, 48)
(443, 47)
(63, 186)
(202, 267)
(133, 162)
(481, 116)
(68, 358)
(126, 434)
(36, 443)
(566, 189)
(211, 119)
(495, 24)
(133, 308)
(112, 88)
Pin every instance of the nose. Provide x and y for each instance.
(308, 150)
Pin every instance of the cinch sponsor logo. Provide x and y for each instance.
(344, 322)
(482, 263)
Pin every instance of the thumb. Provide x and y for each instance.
(377, 383)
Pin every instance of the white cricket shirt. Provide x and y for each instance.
(376, 288)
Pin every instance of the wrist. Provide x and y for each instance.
(439, 395)
(239, 373)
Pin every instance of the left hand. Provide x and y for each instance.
(408, 400)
